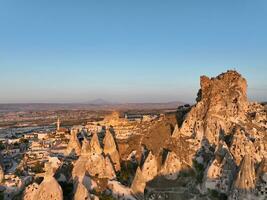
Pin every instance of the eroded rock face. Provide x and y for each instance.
(261, 181)
(246, 176)
(111, 150)
(97, 164)
(109, 169)
(79, 169)
(171, 167)
(150, 167)
(1, 173)
(95, 145)
(81, 193)
(74, 146)
(139, 183)
(120, 191)
(30, 192)
(86, 148)
(49, 189)
(245, 182)
(221, 100)
(220, 173)
(262, 170)
(220, 130)
(240, 145)
(222, 138)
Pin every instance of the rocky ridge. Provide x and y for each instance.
(215, 149)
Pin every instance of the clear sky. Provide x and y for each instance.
(128, 51)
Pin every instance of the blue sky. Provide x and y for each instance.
(128, 51)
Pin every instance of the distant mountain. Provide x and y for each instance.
(99, 101)
(97, 104)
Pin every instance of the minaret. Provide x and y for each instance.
(58, 124)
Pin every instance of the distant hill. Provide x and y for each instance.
(99, 101)
(97, 104)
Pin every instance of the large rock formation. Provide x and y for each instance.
(30, 192)
(139, 183)
(220, 130)
(240, 145)
(79, 171)
(97, 164)
(110, 149)
(218, 144)
(49, 189)
(221, 101)
(1, 174)
(150, 167)
(171, 167)
(95, 145)
(81, 193)
(221, 171)
(86, 148)
(79, 168)
(109, 169)
(245, 182)
(120, 191)
(261, 181)
(74, 146)
(100, 166)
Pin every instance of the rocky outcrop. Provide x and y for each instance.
(240, 145)
(1, 174)
(97, 164)
(221, 100)
(245, 182)
(101, 167)
(149, 172)
(30, 192)
(95, 145)
(150, 167)
(171, 167)
(74, 146)
(79, 169)
(120, 191)
(110, 149)
(218, 143)
(220, 173)
(86, 148)
(49, 189)
(139, 183)
(81, 193)
(261, 181)
(220, 130)
(109, 169)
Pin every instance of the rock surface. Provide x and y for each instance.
(81, 193)
(86, 148)
(110, 149)
(49, 189)
(1, 174)
(139, 183)
(244, 185)
(221, 100)
(150, 167)
(30, 192)
(74, 146)
(95, 145)
(172, 166)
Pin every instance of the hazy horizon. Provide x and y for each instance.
(153, 51)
